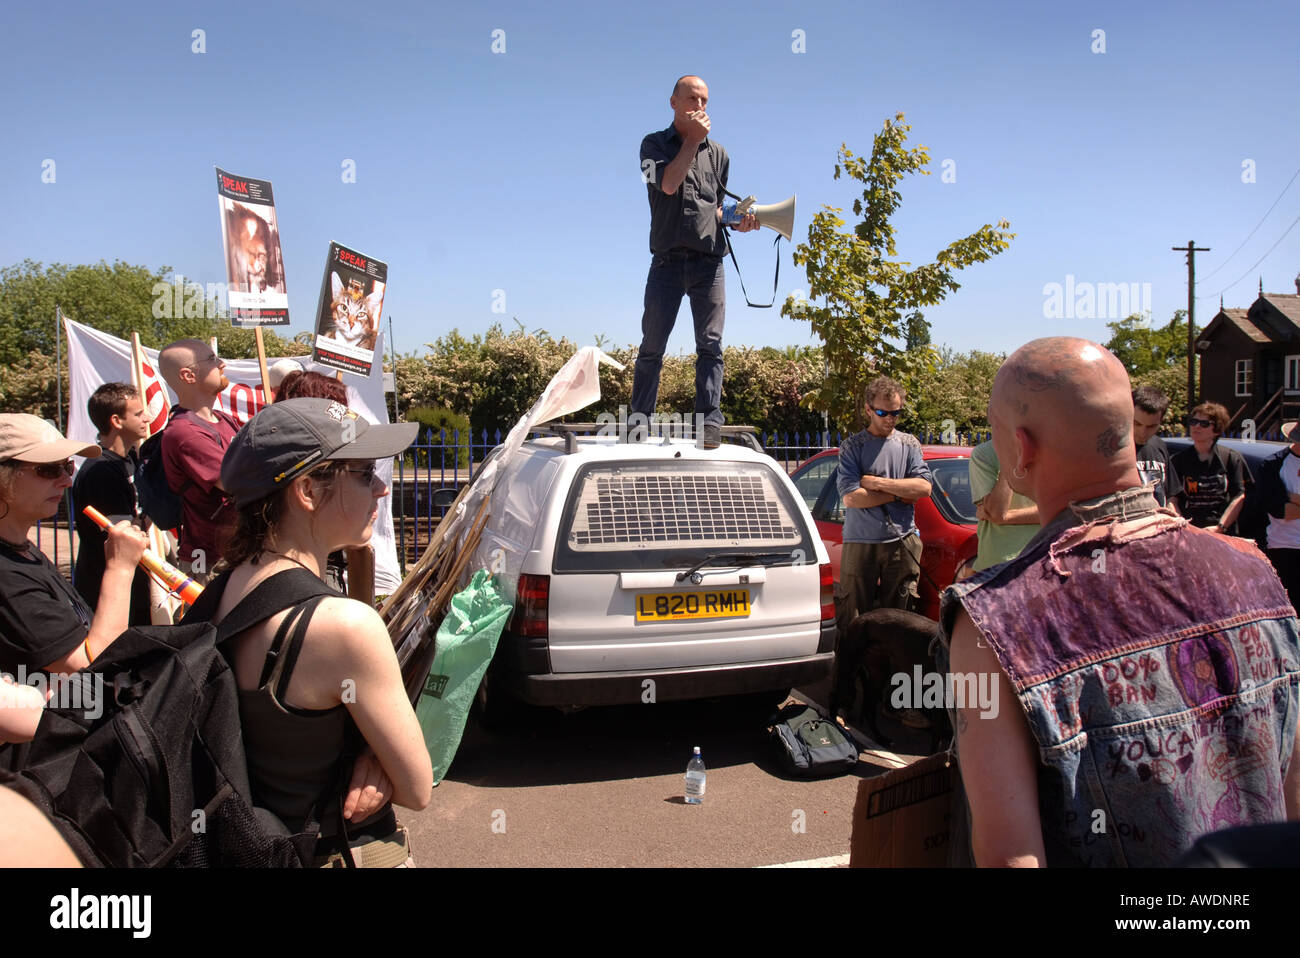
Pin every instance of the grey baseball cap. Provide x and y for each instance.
(287, 438)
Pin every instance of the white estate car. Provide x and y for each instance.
(655, 570)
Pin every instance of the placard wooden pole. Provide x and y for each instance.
(162, 605)
(261, 364)
(361, 574)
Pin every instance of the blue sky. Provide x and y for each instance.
(518, 171)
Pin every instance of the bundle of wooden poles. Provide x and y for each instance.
(418, 605)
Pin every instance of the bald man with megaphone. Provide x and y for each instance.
(685, 174)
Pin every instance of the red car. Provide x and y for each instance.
(946, 520)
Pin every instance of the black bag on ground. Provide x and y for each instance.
(809, 744)
(149, 770)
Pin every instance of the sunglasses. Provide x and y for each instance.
(883, 413)
(51, 470)
(1193, 421)
(367, 474)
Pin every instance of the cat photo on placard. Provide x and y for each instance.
(355, 311)
(349, 310)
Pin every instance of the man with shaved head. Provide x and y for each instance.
(193, 445)
(1146, 674)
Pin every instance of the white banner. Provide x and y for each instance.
(95, 358)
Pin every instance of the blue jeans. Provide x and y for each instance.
(701, 277)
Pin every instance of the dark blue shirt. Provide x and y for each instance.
(689, 217)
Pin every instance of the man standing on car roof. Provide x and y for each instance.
(685, 174)
(881, 474)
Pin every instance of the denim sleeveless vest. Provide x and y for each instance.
(1158, 669)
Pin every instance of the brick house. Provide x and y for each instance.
(1250, 361)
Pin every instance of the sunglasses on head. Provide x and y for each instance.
(51, 470)
(1193, 421)
(882, 413)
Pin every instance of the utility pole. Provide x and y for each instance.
(1191, 249)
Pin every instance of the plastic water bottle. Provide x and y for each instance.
(695, 779)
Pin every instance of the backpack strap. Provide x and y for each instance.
(278, 668)
(271, 596)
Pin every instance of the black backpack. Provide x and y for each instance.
(160, 777)
(157, 501)
(809, 744)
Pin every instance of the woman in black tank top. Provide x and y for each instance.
(320, 680)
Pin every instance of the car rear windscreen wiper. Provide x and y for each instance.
(739, 558)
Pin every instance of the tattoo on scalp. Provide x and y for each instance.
(1111, 441)
(1038, 382)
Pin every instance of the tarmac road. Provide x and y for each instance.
(603, 788)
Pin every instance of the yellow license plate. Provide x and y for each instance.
(661, 606)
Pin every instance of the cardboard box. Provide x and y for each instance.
(902, 818)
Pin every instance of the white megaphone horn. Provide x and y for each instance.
(775, 216)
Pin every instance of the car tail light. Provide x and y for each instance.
(532, 606)
(828, 592)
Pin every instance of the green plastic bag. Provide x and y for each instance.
(467, 640)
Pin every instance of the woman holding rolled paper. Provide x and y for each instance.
(44, 624)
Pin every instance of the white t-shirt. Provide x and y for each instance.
(1285, 533)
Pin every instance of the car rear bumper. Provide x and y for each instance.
(623, 688)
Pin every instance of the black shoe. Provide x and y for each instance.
(710, 436)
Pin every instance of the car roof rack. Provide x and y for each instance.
(748, 435)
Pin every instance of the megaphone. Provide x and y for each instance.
(775, 216)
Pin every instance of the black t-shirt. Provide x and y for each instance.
(108, 484)
(1207, 486)
(1155, 465)
(42, 618)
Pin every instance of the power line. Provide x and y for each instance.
(1257, 226)
(1256, 263)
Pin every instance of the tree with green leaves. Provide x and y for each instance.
(1144, 348)
(870, 299)
(955, 394)
(119, 299)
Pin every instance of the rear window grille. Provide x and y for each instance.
(631, 508)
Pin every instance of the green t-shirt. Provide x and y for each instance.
(996, 543)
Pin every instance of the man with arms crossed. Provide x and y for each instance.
(1135, 718)
(881, 474)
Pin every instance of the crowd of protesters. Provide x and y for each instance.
(1152, 657)
(264, 508)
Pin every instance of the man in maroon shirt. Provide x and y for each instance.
(193, 445)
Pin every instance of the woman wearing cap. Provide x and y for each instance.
(302, 476)
(44, 624)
